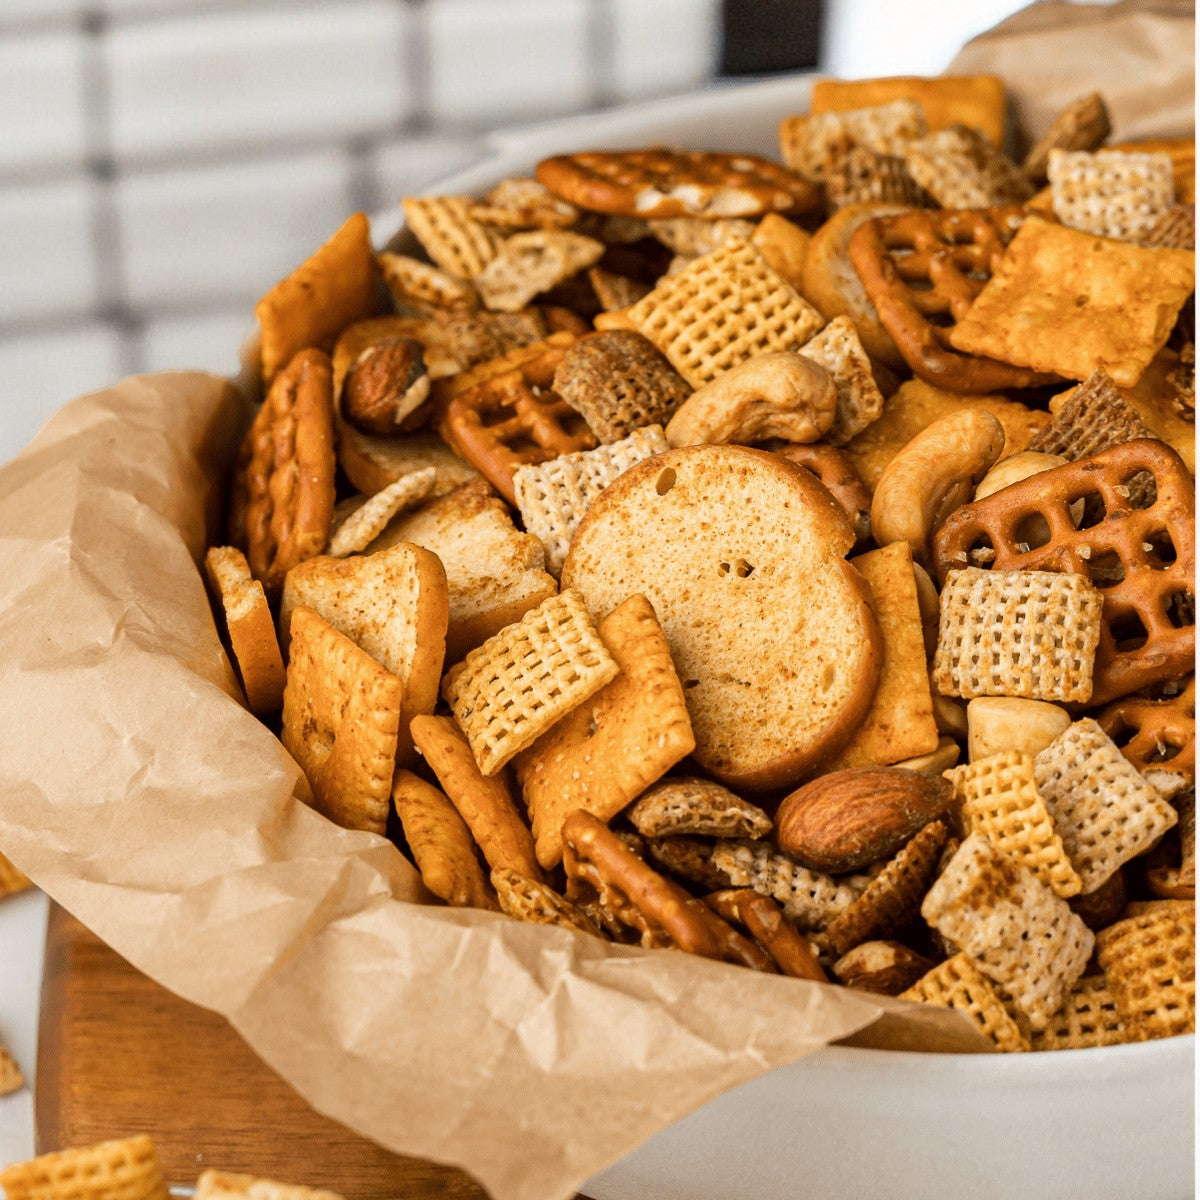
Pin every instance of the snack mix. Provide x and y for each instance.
(789, 563)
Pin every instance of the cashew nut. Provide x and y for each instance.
(929, 606)
(936, 761)
(781, 395)
(935, 473)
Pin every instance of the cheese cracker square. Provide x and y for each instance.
(1067, 302)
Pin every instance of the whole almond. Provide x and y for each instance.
(850, 819)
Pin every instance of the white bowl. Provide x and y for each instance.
(1109, 1124)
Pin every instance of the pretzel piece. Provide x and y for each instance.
(1157, 735)
(765, 923)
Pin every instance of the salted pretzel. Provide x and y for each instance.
(513, 417)
(922, 270)
(765, 922)
(599, 863)
(1142, 559)
(1156, 734)
(836, 470)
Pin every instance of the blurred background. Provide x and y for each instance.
(163, 162)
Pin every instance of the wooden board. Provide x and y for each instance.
(119, 1055)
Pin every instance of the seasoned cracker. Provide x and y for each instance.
(1082, 125)
(807, 144)
(12, 881)
(523, 203)
(960, 168)
(957, 983)
(687, 806)
(1019, 933)
(1103, 809)
(486, 804)
(1067, 302)
(528, 264)
(618, 741)
(1149, 963)
(361, 527)
(553, 496)
(443, 225)
(417, 286)
(838, 349)
(1000, 799)
(225, 1185)
(529, 900)
(251, 627)
(11, 1079)
(341, 716)
(325, 293)
(440, 843)
(688, 858)
(1031, 634)
(506, 693)
(1088, 1017)
(1113, 194)
(723, 308)
(1095, 417)
(127, 1169)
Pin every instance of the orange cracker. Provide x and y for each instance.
(341, 714)
(225, 1185)
(12, 881)
(323, 295)
(251, 628)
(486, 804)
(394, 605)
(440, 843)
(957, 983)
(612, 747)
(11, 1079)
(118, 1170)
(1067, 302)
(899, 724)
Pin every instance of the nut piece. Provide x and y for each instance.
(1016, 467)
(887, 968)
(999, 723)
(933, 475)
(850, 819)
(387, 383)
(782, 395)
(936, 761)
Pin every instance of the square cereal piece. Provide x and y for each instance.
(613, 746)
(1094, 417)
(527, 264)
(458, 244)
(1103, 809)
(1149, 962)
(1068, 302)
(1174, 228)
(341, 715)
(1082, 125)
(328, 291)
(127, 1169)
(506, 693)
(11, 1079)
(394, 605)
(530, 900)
(553, 496)
(807, 143)
(1030, 634)
(1000, 799)
(1019, 933)
(838, 349)
(1088, 1017)
(1111, 193)
(368, 517)
(856, 175)
(960, 168)
(900, 722)
(12, 881)
(225, 1185)
(957, 983)
(722, 309)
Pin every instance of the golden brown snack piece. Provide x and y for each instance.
(485, 804)
(12, 881)
(458, 244)
(923, 271)
(675, 183)
(384, 386)
(341, 715)
(1092, 417)
(354, 532)
(1182, 153)
(522, 203)
(615, 292)
(856, 175)
(885, 967)
(595, 858)
(283, 492)
(118, 1170)
(696, 807)
(506, 693)
(224, 1185)
(765, 923)
(530, 900)
(11, 1079)
(615, 744)
(1065, 302)
(809, 144)
(692, 236)
(1175, 228)
(251, 628)
(838, 349)
(1159, 396)
(418, 287)
(327, 292)
(836, 470)
(1143, 557)
(974, 100)
(440, 843)
(1157, 735)
(1178, 882)
(688, 858)
(957, 983)
(1088, 1017)
(1082, 125)
(784, 245)
(528, 264)
(372, 463)
(960, 168)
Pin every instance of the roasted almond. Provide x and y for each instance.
(387, 383)
(850, 819)
(885, 967)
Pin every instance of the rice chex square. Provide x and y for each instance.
(1111, 193)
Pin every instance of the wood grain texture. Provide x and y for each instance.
(119, 1055)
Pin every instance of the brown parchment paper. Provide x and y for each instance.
(137, 791)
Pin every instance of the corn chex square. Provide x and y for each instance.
(1104, 810)
(1089, 1017)
(127, 1169)
(838, 349)
(553, 496)
(506, 693)
(960, 168)
(1111, 193)
(1149, 962)
(458, 244)
(225, 1185)
(957, 983)
(1019, 933)
(1000, 799)
(721, 309)
(1030, 634)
